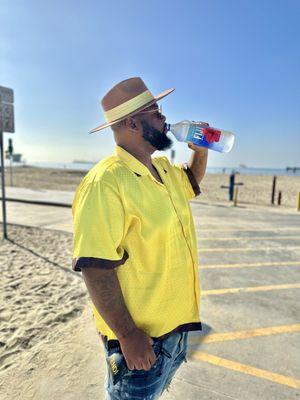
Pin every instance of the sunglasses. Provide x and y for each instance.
(154, 110)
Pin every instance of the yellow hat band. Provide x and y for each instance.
(128, 107)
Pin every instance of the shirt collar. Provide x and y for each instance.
(133, 163)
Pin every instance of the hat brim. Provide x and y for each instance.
(156, 98)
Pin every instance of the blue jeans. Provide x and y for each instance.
(149, 385)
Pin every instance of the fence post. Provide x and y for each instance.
(279, 198)
(273, 190)
(236, 190)
(298, 209)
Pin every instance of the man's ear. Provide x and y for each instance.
(130, 123)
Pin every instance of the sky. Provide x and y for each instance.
(234, 64)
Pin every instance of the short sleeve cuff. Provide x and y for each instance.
(84, 262)
(192, 179)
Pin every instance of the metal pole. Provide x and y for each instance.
(231, 186)
(10, 167)
(3, 187)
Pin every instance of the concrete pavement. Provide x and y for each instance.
(49, 217)
(249, 272)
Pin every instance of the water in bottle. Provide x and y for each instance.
(201, 134)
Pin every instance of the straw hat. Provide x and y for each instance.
(126, 99)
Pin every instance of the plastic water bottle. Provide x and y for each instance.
(201, 134)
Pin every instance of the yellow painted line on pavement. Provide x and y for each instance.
(251, 238)
(227, 249)
(250, 289)
(251, 333)
(252, 265)
(245, 229)
(247, 369)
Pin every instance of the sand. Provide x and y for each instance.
(38, 289)
(256, 189)
(47, 333)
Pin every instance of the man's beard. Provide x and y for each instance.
(156, 138)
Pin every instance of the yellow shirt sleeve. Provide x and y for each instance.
(190, 185)
(98, 225)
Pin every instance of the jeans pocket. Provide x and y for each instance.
(158, 351)
(178, 360)
(116, 364)
(155, 367)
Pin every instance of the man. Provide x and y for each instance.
(135, 243)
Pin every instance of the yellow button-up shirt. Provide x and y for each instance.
(125, 219)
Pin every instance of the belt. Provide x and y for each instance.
(112, 343)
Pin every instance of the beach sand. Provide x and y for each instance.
(38, 288)
(47, 334)
(256, 189)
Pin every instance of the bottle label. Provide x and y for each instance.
(203, 136)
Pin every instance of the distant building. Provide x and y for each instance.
(16, 157)
(82, 162)
(293, 169)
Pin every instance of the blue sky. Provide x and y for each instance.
(234, 64)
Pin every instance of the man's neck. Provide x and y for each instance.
(142, 155)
